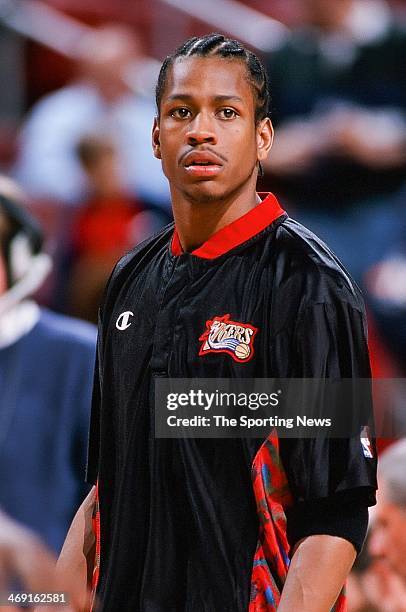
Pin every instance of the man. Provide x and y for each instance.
(200, 525)
(339, 103)
(380, 579)
(387, 542)
(46, 372)
(96, 102)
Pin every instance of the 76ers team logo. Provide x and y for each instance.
(225, 336)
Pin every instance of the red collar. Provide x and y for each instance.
(237, 232)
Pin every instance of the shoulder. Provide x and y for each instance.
(313, 268)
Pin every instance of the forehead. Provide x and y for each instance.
(209, 77)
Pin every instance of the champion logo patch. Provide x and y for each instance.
(123, 321)
(225, 336)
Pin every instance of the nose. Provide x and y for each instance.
(201, 130)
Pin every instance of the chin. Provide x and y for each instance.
(204, 193)
(208, 192)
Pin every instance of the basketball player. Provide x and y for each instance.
(223, 525)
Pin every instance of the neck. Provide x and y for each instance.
(196, 222)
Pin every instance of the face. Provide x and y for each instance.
(388, 535)
(105, 53)
(206, 135)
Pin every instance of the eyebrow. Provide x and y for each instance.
(219, 98)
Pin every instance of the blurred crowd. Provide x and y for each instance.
(83, 167)
(378, 580)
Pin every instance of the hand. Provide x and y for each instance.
(384, 588)
(373, 138)
(25, 558)
(296, 147)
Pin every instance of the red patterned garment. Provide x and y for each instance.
(271, 561)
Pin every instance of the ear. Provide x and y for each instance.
(156, 145)
(264, 138)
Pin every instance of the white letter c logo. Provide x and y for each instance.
(123, 320)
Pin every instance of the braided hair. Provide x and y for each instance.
(217, 45)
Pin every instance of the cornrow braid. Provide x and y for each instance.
(220, 46)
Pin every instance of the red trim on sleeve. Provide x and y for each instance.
(96, 531)
(237, 232)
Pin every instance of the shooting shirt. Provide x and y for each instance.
(200, 525)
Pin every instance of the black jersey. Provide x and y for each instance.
(199, 525)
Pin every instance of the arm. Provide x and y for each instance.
(76, 560)
(333, 476)
(316, 574)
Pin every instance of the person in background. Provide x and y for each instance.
(385, 582)
(339, 103)
(387, 542)
(46, 372)
(386, 284)
(25, 560)
(356, 586)
(108, 224)
(47, 165)
(378, 579)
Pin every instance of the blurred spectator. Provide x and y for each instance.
(386, 284)
(47, 166)
(24, 559)
(386, 581)
(372, 586)
(110, 222)
(339, 100)
(357, 593)
(46, 371)
(377, 582)
(388, 538)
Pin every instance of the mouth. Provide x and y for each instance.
(202, 164)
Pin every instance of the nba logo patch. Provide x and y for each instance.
(366, 443)
(225, 336)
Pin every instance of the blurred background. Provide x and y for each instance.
(76, 109)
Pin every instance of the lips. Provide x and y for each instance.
(203, 164)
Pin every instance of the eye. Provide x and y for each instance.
(227, 113)
(180, 113)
